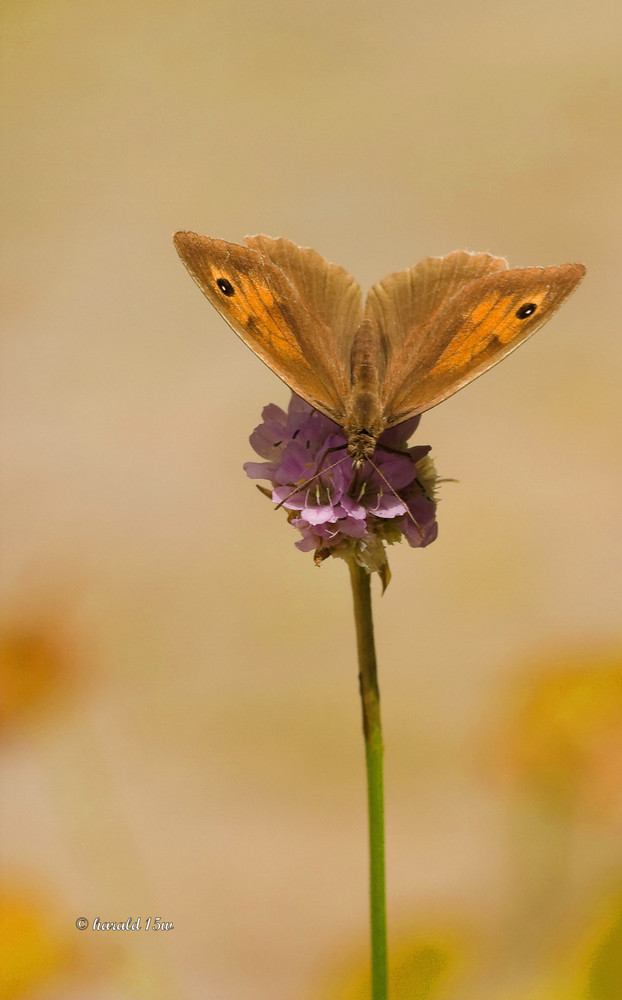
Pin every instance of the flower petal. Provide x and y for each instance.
(337, 509)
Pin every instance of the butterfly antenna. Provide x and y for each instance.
(302, 486)
(396, 495)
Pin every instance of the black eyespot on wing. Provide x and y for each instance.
(528, 309)
(225, 286)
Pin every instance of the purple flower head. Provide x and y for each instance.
(338, 510)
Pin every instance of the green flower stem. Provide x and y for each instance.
(372, 729)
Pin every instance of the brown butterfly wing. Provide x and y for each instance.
(405, 301)
(470, 323)
(268, 311)
(330, 294)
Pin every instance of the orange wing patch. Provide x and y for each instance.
(493, 319)
(252, 305)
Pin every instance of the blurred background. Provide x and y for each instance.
(181, 731)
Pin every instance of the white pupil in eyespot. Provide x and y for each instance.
(527, 310)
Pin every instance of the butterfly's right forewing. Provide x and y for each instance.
(474, 320)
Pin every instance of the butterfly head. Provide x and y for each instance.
(361, 446)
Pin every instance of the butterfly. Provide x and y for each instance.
(421, 334)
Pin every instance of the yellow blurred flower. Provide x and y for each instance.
(591, 968)
(36, 664)
(31, 953)
(566, 741)
(599, 961)
(421, 967)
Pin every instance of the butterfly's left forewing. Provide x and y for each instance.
(470, 331)
(266, 307)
